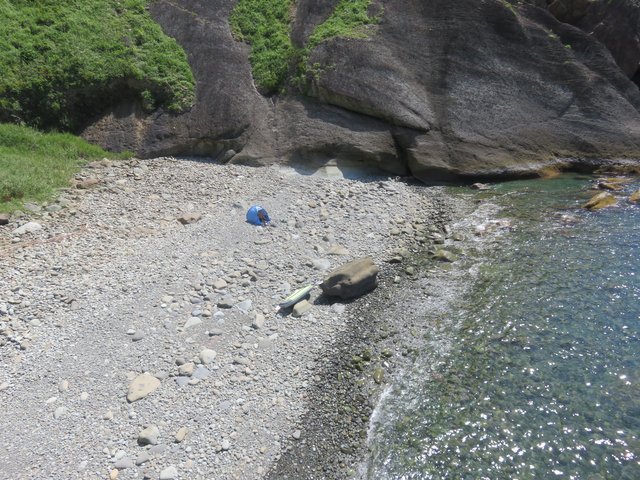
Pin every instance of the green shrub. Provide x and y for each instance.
(265, 25)
(350, 19)
(347, 20)
(63, 62)
(34, 164)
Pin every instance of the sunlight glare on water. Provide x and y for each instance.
(544, 378)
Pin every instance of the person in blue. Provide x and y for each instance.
(257, 215)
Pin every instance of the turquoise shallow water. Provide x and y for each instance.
(543, 380)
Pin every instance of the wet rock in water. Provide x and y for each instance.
(614, 187)
(481, 186)
(444, 256)
(142, 386)
(617, 180)
(301, 308)
(189, 218)
(635, 196)
(601, 200)
(352, 279)
(378, 375)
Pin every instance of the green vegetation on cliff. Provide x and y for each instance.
(64, 62)
(347, 20)
(34, 164)
(266, 26)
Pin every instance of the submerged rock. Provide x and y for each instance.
(444, 256)
(614, 187)
(378, 375)
(601, 200)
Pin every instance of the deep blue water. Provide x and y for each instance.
(543, 379)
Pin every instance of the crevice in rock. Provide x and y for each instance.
(636, 78)
(402, 154)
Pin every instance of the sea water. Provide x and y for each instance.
(543, 377)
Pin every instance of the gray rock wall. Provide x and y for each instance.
(440, 88)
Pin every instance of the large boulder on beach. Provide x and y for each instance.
(352, 279)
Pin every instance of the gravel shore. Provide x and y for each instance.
(149, 267)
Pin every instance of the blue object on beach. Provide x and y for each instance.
(255, 212)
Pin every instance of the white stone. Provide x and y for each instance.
(192, 322)
(258, 321)
(169, 473)
(149, 436)
(142, 386)
(29, 227)
(207, 356)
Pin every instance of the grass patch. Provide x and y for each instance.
(347, 20)
(33, 165)
(63, 62)
(265, 25)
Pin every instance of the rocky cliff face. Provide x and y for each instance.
(615, 23)
(437, 88)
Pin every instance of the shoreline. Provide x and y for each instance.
(513, 324)
(383, 339)
(395, 325)
(113, 285)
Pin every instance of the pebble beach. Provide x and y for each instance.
(139, 330)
